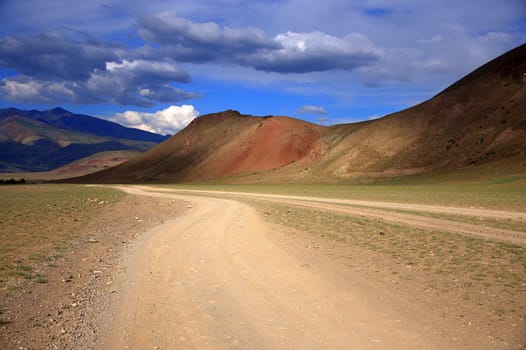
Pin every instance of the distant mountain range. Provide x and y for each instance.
(44, 140)
(480, 121)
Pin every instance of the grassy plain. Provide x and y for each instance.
(38, 221)
(495, 194)
(434, 252)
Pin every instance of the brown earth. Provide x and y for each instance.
(160, 270)
(66, 309)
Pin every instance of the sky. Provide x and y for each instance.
(156, 64)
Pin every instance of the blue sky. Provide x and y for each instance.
(158, 64)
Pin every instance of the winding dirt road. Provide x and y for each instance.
(407, 214)
(212, 279)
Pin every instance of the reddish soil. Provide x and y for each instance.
(222, 144)
(276, 142)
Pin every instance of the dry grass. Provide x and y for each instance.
(508, 195)
(38, 221)
(443, 262)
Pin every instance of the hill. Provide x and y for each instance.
(478, 121)
(222, 144)
(44, 140)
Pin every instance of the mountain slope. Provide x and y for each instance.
(479, 120)
(80, 123)
(222, 144)
(40, 141)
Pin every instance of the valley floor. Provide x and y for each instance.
(229, 271)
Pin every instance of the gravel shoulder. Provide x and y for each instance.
(68, 310)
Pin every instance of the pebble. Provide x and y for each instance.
(67, 279)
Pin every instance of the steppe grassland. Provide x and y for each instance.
(38, 222)
(498, 194)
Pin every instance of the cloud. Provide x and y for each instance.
(316, 52)
(121, 86)
(336, 47)
(26, 90)
(71, 67)
(67, 55)
(434, 39)
(139, 83)
(166, 121)
(139, 71)
(310, 109)
(289, 52)
(200, 42)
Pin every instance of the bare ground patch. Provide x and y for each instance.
(59, 250)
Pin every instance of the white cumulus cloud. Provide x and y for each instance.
(23, 89)
(166, 121)
(310, 109)
(316, 52)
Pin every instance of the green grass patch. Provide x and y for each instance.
(40, 279)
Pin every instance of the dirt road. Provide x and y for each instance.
(431, 217)
(212, 279)
(165, 270)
